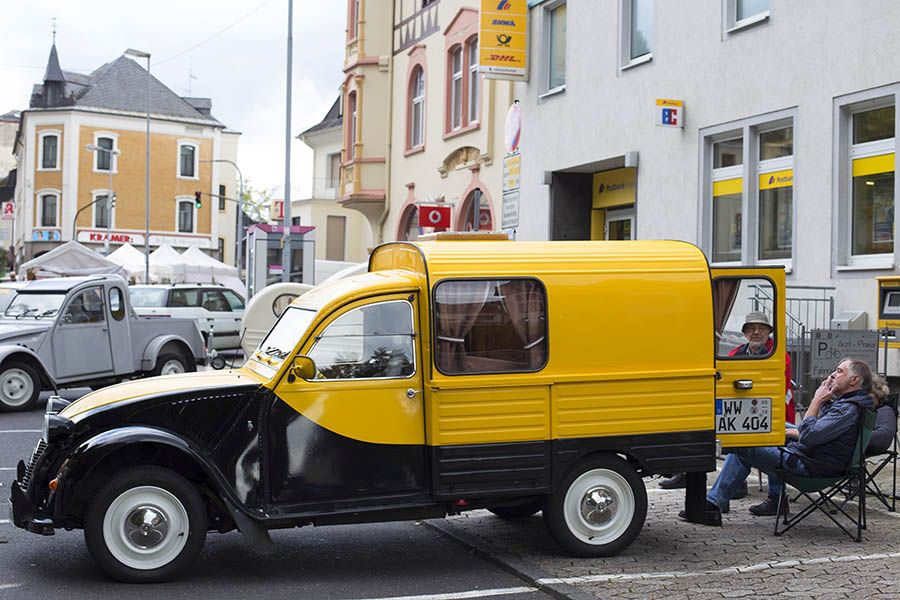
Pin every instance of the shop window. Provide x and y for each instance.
(490, 326)
(776, 194)
(637, 31)
(727, 200)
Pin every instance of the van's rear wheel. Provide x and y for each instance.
(172, 362)
(19, 386)
(145, 525)
(598, 508)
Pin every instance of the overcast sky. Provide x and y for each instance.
(241, 69)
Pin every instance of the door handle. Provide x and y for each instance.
(743, 384)
(411, 393)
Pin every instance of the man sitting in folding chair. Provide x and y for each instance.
(826, 437)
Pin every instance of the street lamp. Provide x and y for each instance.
(141, 54)
(240, 216)
(109, 192)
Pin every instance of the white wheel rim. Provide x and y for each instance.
(16, 387)
(599, 507)
(172, 367)
(145, 528)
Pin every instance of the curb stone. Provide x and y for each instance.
(510, 563)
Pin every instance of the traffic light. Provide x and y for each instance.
(198, 199)
(113, 203)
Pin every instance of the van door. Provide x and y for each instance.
(81, 338)
(355, 435)
(749, 317)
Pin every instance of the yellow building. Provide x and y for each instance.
(422, 127)
(84, 137)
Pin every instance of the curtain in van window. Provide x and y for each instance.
(724, 294)
(457, 305)
(524, 301)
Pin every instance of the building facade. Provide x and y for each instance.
(83, 139)
(422, 127)
(342, 234)
(760, 130)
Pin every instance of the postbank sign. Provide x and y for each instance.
(503, 38)
(614, 188)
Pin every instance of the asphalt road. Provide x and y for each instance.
(409, 561)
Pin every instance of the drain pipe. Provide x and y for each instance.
(390, 137)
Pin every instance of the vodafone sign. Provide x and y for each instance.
(434, 216)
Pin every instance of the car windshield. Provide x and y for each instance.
(6, 296)
(38, 306)
(283, 338)
(148, 296)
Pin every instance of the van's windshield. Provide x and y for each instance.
(283, 338)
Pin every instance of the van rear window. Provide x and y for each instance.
(490, 326)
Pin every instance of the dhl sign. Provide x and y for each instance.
(503, 39)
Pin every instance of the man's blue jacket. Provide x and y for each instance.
(828, 439)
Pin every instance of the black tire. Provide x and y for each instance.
(519, 511)
(20, 386)
(218, 363)
(574, 519)
(154, 551)
(166, 361)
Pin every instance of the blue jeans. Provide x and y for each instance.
(737, 467)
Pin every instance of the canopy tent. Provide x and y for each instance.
(132, 260)
(213, 271)
(69, 260)
(169, 265)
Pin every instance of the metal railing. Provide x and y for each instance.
(807, 308)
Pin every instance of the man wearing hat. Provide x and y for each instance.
(757, 330)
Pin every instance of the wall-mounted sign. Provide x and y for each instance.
(615, 187)
(180, 241)
(45, 235)
(9, 211)
(513, 129)
(277, 210)
(434, 216)
(777, 179)
(503, 39)
(512, 171)
(115, 237)
(509, 219)
(670, 113)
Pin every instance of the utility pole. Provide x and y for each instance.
(286, 235)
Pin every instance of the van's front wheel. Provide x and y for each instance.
(145, 525)
(599, 507)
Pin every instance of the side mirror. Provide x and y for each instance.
(303, 367)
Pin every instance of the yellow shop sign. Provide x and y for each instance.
(503, 38)
(614, 188)
(777, 179)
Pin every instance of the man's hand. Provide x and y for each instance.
(822, 396)
(791, 434)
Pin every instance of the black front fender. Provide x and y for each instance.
(94, 461)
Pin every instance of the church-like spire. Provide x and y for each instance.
(54, 72)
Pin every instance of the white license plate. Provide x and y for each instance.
(743, 415)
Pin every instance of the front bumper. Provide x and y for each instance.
(25, 514)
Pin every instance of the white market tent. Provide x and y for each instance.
(132, 260)
(169, 265)
(69, 260)
(214, 271)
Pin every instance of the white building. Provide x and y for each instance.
(782, 152)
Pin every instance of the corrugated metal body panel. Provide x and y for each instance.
(489, 414)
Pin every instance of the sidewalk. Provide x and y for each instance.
(742, 559)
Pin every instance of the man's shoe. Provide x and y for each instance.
(769, 507)
(675, 482)
(742, 491)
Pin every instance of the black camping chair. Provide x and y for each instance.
(828, 487)
(880, 460)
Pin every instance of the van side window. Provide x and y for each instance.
(490, 326)
(116, 304)
(744, 317)
(185, 298)
(373, 341)
(234, 301)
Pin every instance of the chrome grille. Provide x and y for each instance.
(33, 463)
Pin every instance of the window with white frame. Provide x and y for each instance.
(49, 204)
(743, 13)
(49, 151)
(333, 170)
(637, 31)
(185, 216)
(187, 160)
(105, 160)
(416, 136)
(749, 189)
(871, 168)
(727, 192)
(474, 95)
(456, 86)
(351, 129)
(102, 211)
(555, 23)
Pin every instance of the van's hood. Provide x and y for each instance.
(154, 387)
(27, 333)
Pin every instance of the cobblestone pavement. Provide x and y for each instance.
(742, 559)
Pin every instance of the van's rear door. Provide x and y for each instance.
(752, 381)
